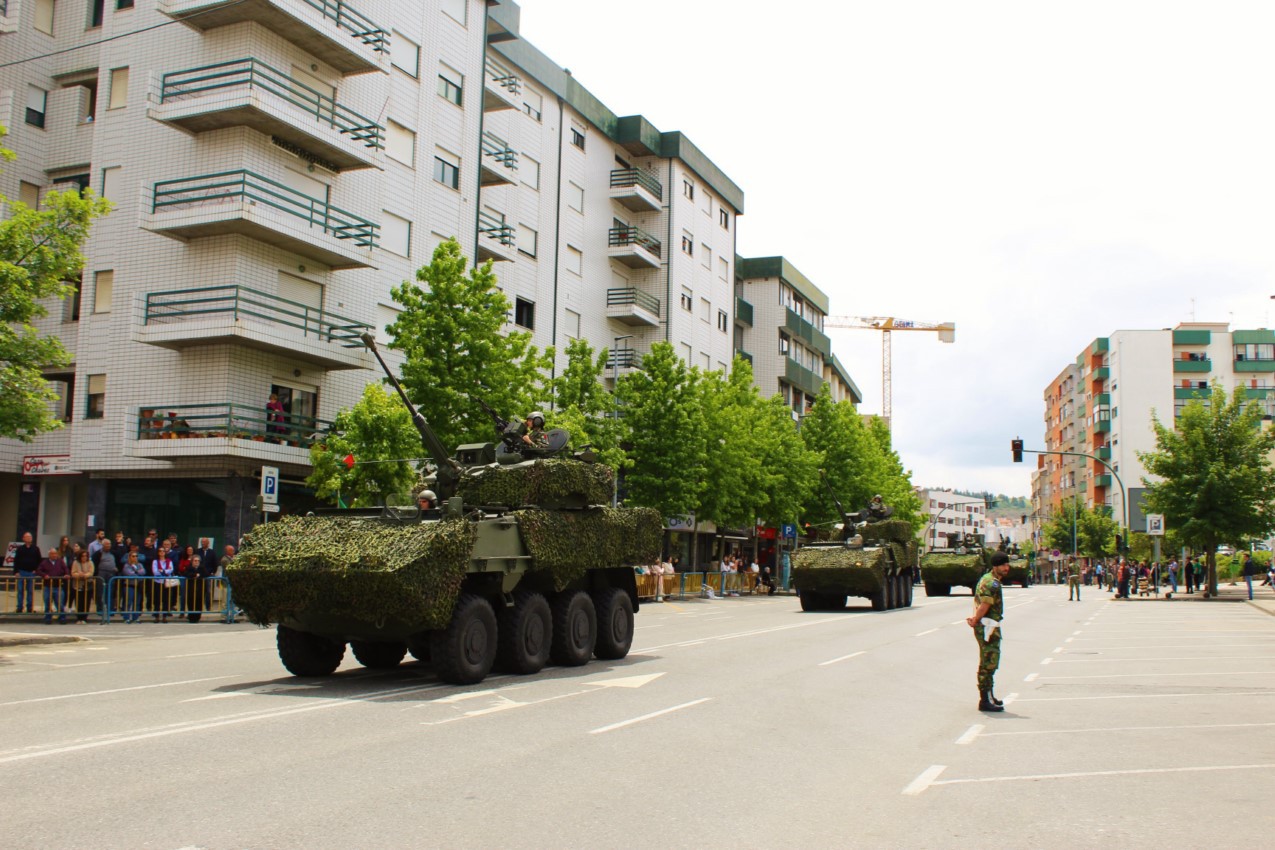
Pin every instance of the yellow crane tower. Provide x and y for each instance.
(886, 324)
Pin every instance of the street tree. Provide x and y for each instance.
(1211, 475)
(39, 257)
(1077, 527)
(378, 433)
(585, 408)
(731, 406)
(893, 482)
(836, 433)
(452, 333)
(662, 420)
(789, 467)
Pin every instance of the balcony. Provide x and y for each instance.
(1254, 365)
(502, 88)
(1104, 452)
(1102, 373)
(173, 431)
(632, 306)
(69, 110)
(624, 360)
(634, 247)
(1199, 337)
(1201, 365)
(1102, 400)
(251, 205)
(739, 352)
(801, 328)
(330, 29)
(1101, 481)
(250, 93)
(496, 238)
(499, 164)
(801, 377)
(213, 315)
(743, 312)
(1102, 426)
(636, 189)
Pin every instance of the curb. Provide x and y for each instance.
(37, 640)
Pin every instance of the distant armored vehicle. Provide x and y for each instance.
(962, 562)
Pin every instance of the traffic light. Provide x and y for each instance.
(1016, 445)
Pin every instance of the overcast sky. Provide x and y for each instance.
(1041, 174)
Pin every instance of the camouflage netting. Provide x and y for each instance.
(352, 568)
(544, 482)
(570, 542)
(855, 572)
(890, 530)
(952, 569)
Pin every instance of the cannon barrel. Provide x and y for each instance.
(448, 471)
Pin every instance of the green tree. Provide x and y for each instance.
(662, 419)
(450, 331)
(1096, 532)
(893, 482)
(39, 254)
(835, 432)
(1213, 477)
(731, 406)
(585, 408)
(379, 433)
(789, 468)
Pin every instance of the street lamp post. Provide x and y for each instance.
(615, 396)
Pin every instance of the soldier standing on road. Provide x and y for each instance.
(1073, 580)
(989, 604)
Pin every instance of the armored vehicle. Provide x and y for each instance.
(962, 563)
(872, 558)
(519, 565)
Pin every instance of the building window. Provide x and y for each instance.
(103, 291)
(529, 171)
(400, 143)
(723, 268)
(396, 234)
(457, 10)
(575, 260)
(721, 321)
(525, 313)
(577, 138)
(72, 313)
(688, 300)
(532, 103)
(575, 197)
(688, 189)
(723, 218)
(29, 194)
(406, 55)
(1255, 351)
(44, 16)
(688, 245)
(111, 182)
(123, 4)
(37, 103)
(706, 255)
(119, 89)
(527, 240)
(447, 170)
(96, 407)
(300, 406)
(783, 344)
(571, 324)
(96, 12)
(705, 310)
(684, 350)
(450, 84)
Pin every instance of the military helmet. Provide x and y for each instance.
(427, 494)
(536, 414)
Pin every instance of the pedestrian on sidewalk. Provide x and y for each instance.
(989, 606)
(1250, 570)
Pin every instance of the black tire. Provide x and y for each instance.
(305, 654)
(891, 593)
(464, 652)
(878, 600)
(615, 623)
(907, 592)
(932, 589)
(575, 629)
(526, 634)
(835, 601)
(378, 654)
(809, 600)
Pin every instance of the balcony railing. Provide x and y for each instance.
(496, 228)
(743, 311)
(1102, 481)
(624, 358)
(634, 296)
(802, 378)
(619, 237)
(1193, 365)
(623, 178)
(739, 352)
(237, 301)
(799, 326)
(357, 24)
(195, 192)
(252, 73)
(232, 421)
(500, 161)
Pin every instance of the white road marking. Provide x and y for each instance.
(1031, 677)
(1153, 696)
(1086, 774)
(1046, 660)
(192, 654)
(1166, 675)
(112, 691)
(753, 632)
(924, 633)
(1073, 634)
(1068, 640)
(970, 734)
(925, 780)
(1057, 649)
(64, 666)
(602, 729)
(219, 696)
(842, 658)
(1125, 729)
(1010, 699)
(1173, 658)
(959, 622)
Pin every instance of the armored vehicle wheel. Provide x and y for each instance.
(305, 654)
(932, 589)
(878, 600)
(907, 591)
(575, 628)
(808, 599)
(891, 591)
(377, 654)
(464, 651)
(615, 623)
(526, 632)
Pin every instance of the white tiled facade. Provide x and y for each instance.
(307, 158)
(952, 513)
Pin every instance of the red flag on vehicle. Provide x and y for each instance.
(349, 461)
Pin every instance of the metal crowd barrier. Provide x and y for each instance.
(682, 585)
(126, 597)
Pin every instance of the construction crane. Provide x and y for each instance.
(886, 324)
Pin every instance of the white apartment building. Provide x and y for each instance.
(277, 166)
(1125, 379)
(779, 317)
(951, 514)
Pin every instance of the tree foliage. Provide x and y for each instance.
(450, 331)
(1213, 479)
(734, 439)
(586, 409)
(39, 254)
(1095, 530)
(789, 467)
(379, 433)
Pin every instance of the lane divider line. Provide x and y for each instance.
(917, 786)
(842, 658)
(970, 734)
(603, 729)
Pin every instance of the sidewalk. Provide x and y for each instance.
(1263, 597)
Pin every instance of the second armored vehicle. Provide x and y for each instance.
(962, 563)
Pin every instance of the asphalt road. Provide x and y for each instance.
(733, 723)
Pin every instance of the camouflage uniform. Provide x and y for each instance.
(989, 651)
(1073, 581)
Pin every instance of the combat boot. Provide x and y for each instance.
(991, 696)
(985, 702)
